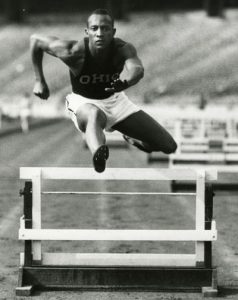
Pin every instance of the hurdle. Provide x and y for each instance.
(215, 142)
(202, 136)
(208, 151)
(223, 171)
(117, 271)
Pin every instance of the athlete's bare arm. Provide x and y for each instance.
(133, 65)
(70, 52)
(133, 69)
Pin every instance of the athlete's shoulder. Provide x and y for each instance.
(65, 49)
(119, 43)
(124, 48)
(58, 47)
(77, 47)
(74, 55)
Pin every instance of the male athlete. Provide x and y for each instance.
(101, 67)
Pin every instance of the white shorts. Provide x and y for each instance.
(116, 108)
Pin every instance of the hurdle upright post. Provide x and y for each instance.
(209, 291)
(117, 271)
(36, 214)
(27, 211)
(200, 214)
(208, 223)
(26, 222)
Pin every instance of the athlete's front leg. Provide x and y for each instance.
(146, 133)
(92, 121)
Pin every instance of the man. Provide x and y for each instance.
(101, 67)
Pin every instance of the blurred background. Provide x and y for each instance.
(188, 48)
(189, 51)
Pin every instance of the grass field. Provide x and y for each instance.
(185, 54)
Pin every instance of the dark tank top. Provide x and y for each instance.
(94, 78)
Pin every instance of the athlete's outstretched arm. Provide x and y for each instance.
(53, 46)
(132, 72)
(133, 67)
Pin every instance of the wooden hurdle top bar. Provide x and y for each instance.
(191, 113)
(115, 173)
(220, 168)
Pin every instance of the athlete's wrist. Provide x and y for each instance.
(126, 84)
(121, 85)
(117, 86)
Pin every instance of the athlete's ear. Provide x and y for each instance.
(86, 31)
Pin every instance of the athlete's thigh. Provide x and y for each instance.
(143, 127)
(90, 112)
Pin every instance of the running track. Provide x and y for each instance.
(60, 145)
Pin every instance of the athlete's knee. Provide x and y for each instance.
(170, 147)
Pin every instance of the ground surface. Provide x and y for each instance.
(60, 145)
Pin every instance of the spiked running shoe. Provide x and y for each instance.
(100, 157)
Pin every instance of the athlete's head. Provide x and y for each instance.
(100, 28)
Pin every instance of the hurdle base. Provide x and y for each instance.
(24, 291)
(178, 186)
(186, 279)
(156, 157)
(209, 291)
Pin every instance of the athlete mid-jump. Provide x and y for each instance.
(101, 67)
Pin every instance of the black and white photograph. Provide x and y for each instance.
(118, 149)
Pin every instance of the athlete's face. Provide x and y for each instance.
(100, 31)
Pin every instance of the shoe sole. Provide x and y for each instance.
(100, 157)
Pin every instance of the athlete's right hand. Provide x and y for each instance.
(41, 90)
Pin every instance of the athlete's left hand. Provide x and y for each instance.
(117, 86)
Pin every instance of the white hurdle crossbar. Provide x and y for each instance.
(34, 234)
(37, 234)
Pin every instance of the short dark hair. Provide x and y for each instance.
(102, 11)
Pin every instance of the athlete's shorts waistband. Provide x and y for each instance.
(116, 108)
(94, 99)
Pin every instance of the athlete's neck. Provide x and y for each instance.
(98, 53)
